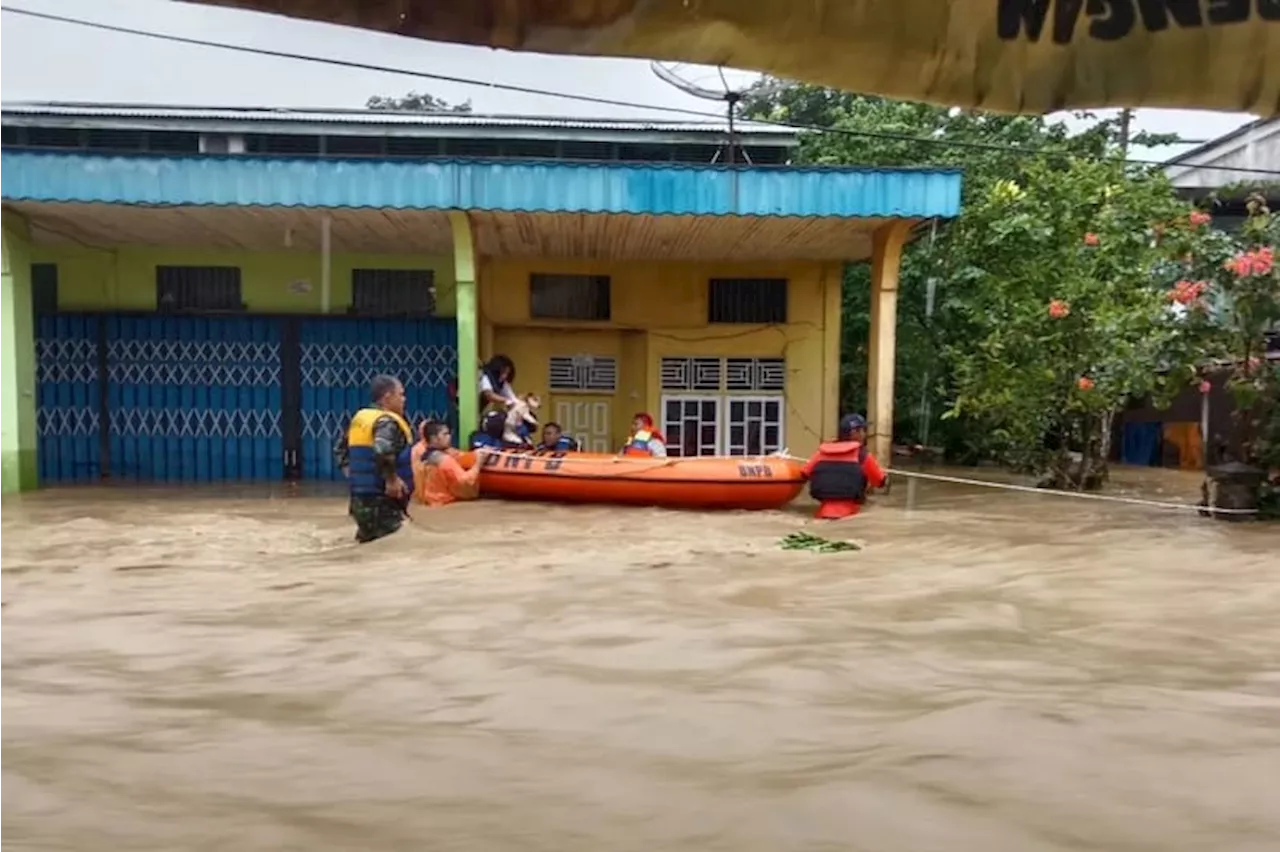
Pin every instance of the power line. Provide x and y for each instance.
(529, 90)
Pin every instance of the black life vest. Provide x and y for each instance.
(841, 479)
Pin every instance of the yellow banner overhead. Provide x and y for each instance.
(1032, 56)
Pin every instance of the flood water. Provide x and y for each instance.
(994, 671)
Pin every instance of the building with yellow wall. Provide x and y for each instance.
(203, 295)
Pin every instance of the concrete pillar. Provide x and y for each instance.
(886, 257)
(832, 318)
(468, 322)
(18, 470)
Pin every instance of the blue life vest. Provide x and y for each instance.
(565, 445)
(480, 439)
(363, 470)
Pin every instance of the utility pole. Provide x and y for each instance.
(1126, 116)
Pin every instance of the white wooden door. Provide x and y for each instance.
(587, 421)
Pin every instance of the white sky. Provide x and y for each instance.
(46, 60)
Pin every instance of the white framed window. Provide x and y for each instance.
(583, 373)
(691, 424)
(754, 425)
(730, 406)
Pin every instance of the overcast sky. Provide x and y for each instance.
(46, 60)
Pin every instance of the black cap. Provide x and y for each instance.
(851, 423)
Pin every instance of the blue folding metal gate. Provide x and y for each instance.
(339, 356)
(68, 398)
(185, 399)
(194, 399)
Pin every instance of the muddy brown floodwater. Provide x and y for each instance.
(995, 671)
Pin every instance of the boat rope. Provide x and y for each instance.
(643, 465)
(1053, 492)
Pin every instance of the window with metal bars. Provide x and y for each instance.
(198, 288)
(109, 139)
(355, 146)
(569, 297)
(173, 142)
(44, 288)
(54, 137)
(393, 292)
(747, 300)
(278, 143)
(593, 373)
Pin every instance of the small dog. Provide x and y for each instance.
(522, 413)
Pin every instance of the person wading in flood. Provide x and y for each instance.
(841, 471)
(375, 456)
(438, 478)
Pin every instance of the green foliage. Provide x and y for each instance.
(816, 544)
(1242, 284)
(415, 102)
(990, 373)
(1066, 313)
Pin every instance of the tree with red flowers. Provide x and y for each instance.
(1076, 298)
(1241, 282)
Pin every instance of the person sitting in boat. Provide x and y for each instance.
(644, 439)
(554, 440)
(438, 478)
(489, 435)
(841, 471)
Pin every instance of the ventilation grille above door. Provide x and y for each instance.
(596, 373)
(691, 374)
(755, 374)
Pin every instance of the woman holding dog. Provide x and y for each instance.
(496, 378)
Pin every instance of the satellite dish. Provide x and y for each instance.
(685, 76)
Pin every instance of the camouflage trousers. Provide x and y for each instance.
(375, 517)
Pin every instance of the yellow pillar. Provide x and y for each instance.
(886, 257)
(832, 317)
(467, 319)
(18, 470)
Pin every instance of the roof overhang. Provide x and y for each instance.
(369, 231)
(514, 186)
(1012, 55)
(1216, 163)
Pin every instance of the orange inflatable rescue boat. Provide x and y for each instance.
(766, 482)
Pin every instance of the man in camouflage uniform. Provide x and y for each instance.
(374, 455)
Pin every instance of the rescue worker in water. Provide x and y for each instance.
(841, 471)
(375, 455)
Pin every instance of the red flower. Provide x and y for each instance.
(1186, 292)
(1258, 262)
(1091, 239)
(1198, 218)
(1084, 383)
(1059, 309)
(1205, 386)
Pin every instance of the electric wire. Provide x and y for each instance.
(614, 102)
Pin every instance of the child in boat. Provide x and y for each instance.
(644, 440)
(555, 441)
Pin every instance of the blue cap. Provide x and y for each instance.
(852, 422)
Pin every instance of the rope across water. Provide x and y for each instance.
(646, 464)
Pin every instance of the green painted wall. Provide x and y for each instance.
(17, 362)
(125, 278)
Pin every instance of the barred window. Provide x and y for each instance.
(747, 300)
(569, 297)
(198, 288)
(393, 292)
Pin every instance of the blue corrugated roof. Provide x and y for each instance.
(558, 187)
